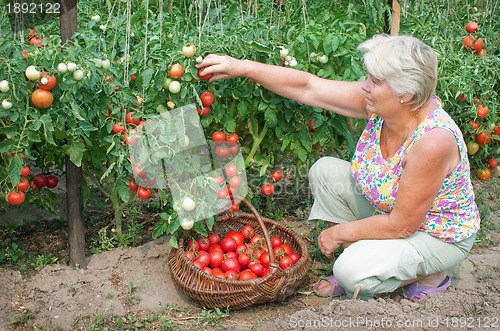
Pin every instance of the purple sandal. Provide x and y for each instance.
(415, 292)
(333, 291)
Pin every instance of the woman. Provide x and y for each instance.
(404, 207)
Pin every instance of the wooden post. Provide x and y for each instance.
(68, 25)
(396, 18)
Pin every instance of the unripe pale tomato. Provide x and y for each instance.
(174, 87)
(188, 50)
(187, 204)
(32, 74)
(4, 86)
(62, 68)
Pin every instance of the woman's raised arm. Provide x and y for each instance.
(344, 98)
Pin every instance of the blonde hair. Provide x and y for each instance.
(408, 65)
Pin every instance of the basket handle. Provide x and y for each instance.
(262, 225)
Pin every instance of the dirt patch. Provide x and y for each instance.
(135, 282)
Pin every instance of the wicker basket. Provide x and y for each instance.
(213, 292)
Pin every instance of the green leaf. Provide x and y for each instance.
(146, 76)
(15, 167)
(33, 136)
(6, 146)
(75, 151)
(200, 228)
(229, 123)
(123, 189)
(173, 241)
(160, 228)
(48, 128)
(270, 116)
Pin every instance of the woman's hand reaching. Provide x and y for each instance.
(221, 66)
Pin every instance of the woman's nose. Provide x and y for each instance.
(366, 85)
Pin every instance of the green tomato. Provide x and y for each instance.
(167, 82)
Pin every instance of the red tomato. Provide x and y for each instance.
(234, 206)
(256, 240)
(242, 249)
(231, 263)
(204, 258)
(286, 262)
(473, 124)
(265, 273)
(231, 254)
(23, 185)
(264, 259)
(192, 246)
(42, 98)
(468, 41)
(287, 249)
(215, 248)
(247, 275)
(483, 137)
(235, 181)
(218, 137)
(222, 151)
(228, 244)
(257, 253)
(199, 264)
(295, 257)
(204, 244)
(216, 258)
(471, 27)
(276, 241)
(279, 252)
(492, 163)
(208, 270)
(25, 171)
(231, 170)
(219, 180)
(231, 274)
(231, 191)
(176, 71)
(222, 194)
(247, 232)
(483, 174)
(243, 260)
(52, 181)
(51, 82)
(143, 193)
(217, 272)
(190, 255)
(462, 98)
(233, 149)
(132, 186)
(118, 127)
(16, 198)
(267, 189)
(130, 120)
(203, 112)
(478, 44)
(207, 99)
(204, 77)
(40, 181)
(257, 269)
(232, 139)
(277, 175)
(482, 111)
(237, 236)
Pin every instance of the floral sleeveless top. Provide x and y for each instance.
(454, 215)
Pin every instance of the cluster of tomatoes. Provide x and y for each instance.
(239, 255)
(471, 44)
(17, 196)
(268, 189)
(226, 145)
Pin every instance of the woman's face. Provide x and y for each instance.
(380, 99)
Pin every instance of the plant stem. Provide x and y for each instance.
(256, 143)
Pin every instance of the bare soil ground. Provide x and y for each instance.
(134, 283)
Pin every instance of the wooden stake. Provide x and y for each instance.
(68, 25)
(396, 18)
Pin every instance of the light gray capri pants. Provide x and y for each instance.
(378, 266)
